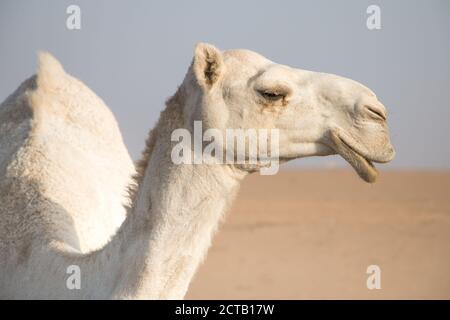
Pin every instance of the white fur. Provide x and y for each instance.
(65, 170)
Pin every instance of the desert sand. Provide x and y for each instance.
(312, 235)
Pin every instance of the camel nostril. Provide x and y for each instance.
(377, 113)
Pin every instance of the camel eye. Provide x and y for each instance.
(272, 95)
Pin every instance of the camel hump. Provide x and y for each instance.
(52, 128)
(50, 72)
(60, 97)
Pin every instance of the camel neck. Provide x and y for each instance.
(176, 211)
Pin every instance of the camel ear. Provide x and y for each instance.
(208, 65)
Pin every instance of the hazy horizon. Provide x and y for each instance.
(134, 54)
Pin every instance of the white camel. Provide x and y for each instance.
(65, 172)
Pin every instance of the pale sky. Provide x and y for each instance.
(134, 54)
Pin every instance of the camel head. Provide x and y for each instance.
(317, 114)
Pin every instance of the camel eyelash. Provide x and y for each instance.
(273, 94)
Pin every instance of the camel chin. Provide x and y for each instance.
(362, 165)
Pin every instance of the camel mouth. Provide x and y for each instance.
(362, 165)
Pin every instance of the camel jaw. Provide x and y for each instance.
(363, 166)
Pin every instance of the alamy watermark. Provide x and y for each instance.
(73, 21)
(73, 281)
(253, 148)
(373, 21)
(374, 278)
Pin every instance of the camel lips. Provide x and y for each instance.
(364, 167)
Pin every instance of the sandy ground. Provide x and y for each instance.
(312, 235)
